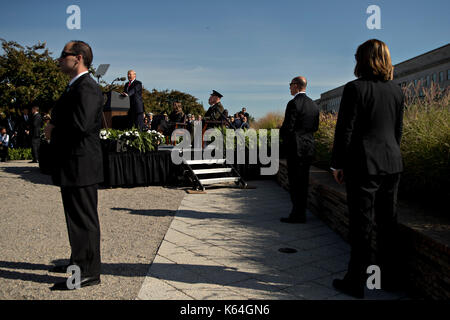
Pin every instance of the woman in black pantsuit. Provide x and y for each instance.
(366, 154)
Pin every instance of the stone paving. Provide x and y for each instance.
(224, 245)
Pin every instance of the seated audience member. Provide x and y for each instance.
(231, 122)
(245, 124)
(147, 125)
(245, 113)
(4, 143)
(150, 119)
(164, 126)
(237, 121)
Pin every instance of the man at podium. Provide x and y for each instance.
(133, 89)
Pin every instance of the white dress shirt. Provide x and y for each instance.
(76, 77)
(5, 140)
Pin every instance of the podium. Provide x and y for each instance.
(115, 111)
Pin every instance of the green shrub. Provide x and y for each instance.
(425, 145)
(20, 154)
(272, 120)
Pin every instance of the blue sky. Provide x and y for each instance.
(247, 50)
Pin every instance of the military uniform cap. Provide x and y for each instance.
(217, 94)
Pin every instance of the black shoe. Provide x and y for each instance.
(349, 288)
(34, 161)
(293, 220)
(59, 269)
(84, 282)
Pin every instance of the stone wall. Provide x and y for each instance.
(425, 241)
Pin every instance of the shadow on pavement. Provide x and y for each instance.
(31, 174)
(114, 269)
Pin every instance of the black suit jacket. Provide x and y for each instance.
(135, 94)
(369, 128)
(76, 151)
(301, 120)
(36, 124)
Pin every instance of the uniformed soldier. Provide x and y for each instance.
(216, 109)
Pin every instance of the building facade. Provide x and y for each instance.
(416, 73)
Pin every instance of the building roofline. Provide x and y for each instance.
(423, 54)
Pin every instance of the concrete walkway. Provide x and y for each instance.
(224, 245)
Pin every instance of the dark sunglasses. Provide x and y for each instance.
(65, 54)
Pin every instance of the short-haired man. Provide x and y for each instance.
(77, 161)
(301, 120)
(244, 111)
(133, 89)
(35, 133)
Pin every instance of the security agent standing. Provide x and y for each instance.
(35, 133)
(367, 156)
(77, 161)
(301, 120)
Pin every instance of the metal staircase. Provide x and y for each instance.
(203, 173)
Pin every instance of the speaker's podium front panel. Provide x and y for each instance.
(116, 107)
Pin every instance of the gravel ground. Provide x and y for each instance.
(33, 235)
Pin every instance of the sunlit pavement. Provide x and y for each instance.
(225, 245)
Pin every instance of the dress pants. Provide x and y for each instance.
(35, 145)
(372, 202)
(298, 176)
(137, 120)
(80, 208)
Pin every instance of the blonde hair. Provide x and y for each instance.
(373, 60)
(177, 106)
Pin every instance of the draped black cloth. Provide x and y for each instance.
(139, 169)
(128, 168)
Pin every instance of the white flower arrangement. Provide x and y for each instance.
(104, 134)
(134, 139)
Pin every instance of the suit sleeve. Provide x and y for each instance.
(290, 117)
(136, 88)
(399, 122)
(37, 122)
(344, 126)
(86, 110)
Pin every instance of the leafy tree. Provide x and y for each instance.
(161, 101)
(29, 76)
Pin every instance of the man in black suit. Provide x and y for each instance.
(301, 120)
(23, 130)
(366, 152)
(133, 89)
(77, 161)
(35, 133)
